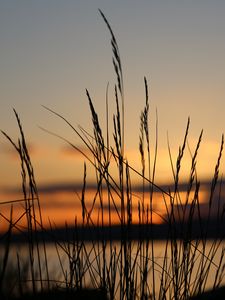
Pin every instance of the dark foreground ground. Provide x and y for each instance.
(218, 294)
(64, 295)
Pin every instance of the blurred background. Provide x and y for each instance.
(51, 51)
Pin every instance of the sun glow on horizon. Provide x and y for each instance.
(60, 208)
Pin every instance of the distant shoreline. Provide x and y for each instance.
(134, 232)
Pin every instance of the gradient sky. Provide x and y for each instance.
(50, 51)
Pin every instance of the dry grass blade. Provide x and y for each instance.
(116, 60)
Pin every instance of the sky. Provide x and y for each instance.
(51, 51)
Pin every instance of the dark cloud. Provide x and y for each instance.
(53, 188)
(56, 187)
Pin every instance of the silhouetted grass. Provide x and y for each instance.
(126, 269)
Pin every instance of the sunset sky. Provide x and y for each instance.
(51, 51)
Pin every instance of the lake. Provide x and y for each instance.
(87, 262)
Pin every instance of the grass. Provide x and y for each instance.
(126, 269)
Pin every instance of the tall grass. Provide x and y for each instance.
(126, 269)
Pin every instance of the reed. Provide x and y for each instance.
(126, 269)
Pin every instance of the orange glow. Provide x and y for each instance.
(59, 208)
